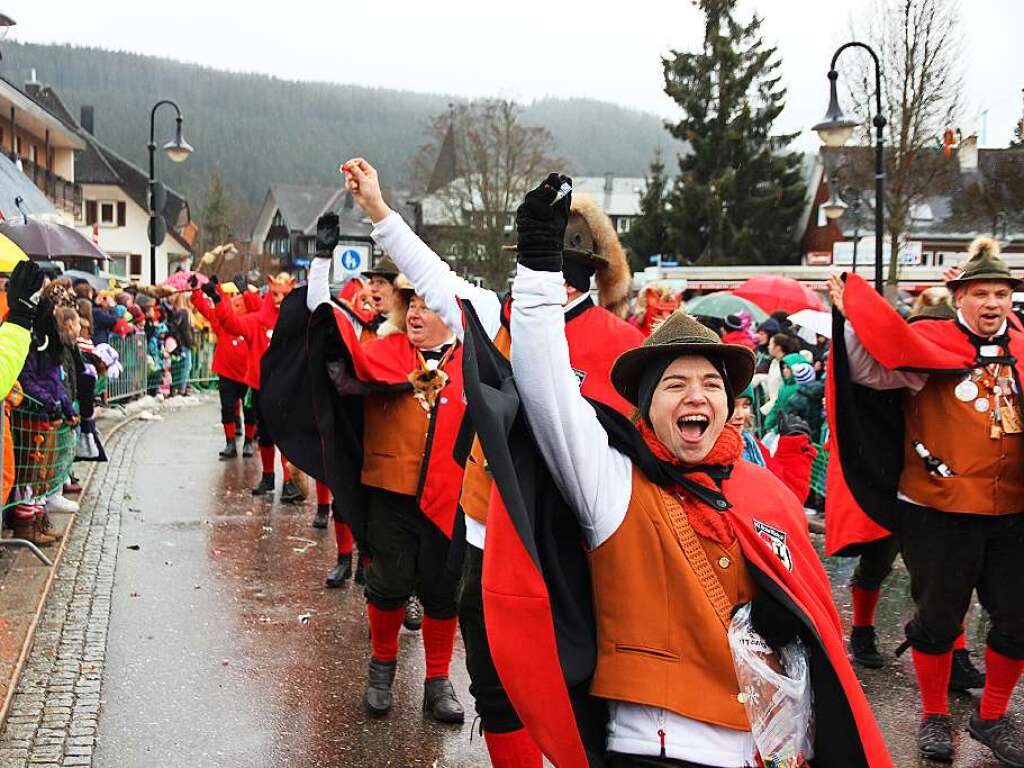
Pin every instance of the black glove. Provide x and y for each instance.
(328, 234)
(772, 621)
(540, 225)
(23, 293)
(210, 289)
(240, 283)
(792, 424)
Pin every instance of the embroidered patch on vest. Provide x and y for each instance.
(775, 539)
(580, 376)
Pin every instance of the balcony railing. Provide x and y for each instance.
(64, 194)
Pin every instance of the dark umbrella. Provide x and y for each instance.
(99, 282)
(45, 240)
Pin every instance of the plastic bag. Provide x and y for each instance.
(776, 694)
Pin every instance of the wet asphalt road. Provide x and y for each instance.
(209, 663)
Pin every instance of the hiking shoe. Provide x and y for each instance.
(935, 738)
(440, 702)
(864, 648)
(266, 485)
(341, 573)
(413, 615)
(230, 451)
(290, 492)
(378, 697)
(998, 736)
(322, 512)
(964, 675)
(248, 448)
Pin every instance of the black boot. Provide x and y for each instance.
(322, 511)
(266, 485)
(290, 492)
(249, 447)
(935, 739)
(998, 736)
(341, 573)
(864, 649)
(413, 615)
(230, 450)
(360, 577)
(378, 687)
(439, 702)
(964, 675)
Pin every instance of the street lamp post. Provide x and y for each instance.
(178, 151)
(836, 129)
(836, 207)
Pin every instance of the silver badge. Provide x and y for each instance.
(981, 405)
(966, 391)
(990, 350)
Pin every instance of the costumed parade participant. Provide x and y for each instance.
(592, 251)
(257, 328)
(380, 429)
(677, 529)
(927, 430)
(230, 363)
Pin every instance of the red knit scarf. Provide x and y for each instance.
(705, 520)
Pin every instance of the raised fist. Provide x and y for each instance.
(327, 235)
(361, 180)
(540, 223)
(23, 290)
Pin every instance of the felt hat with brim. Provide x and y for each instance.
(984, 264)
(681, 336)
(384, 267)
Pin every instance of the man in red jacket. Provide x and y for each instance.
(230, 363)
(257, 328)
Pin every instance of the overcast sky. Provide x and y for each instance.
(525, 49)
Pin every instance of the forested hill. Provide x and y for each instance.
(258, 129)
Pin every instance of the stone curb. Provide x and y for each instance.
(56, 559)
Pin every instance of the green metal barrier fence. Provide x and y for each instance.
(44, 449)
(139, 376)
(131, 351)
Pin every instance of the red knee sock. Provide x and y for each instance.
(343, 536)
(267, 459)
(230, 431)
(960, 643)
(864, 603)
(1001, 676)
(323, 493)
(515, 749)
(933, 671)
(384, 626)
(438, 641)
(250, 431)
(286, 473)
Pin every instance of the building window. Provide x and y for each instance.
(623, 223)
(90, 212)
(822, 218)
(135, 266)
(118, 264)
(108, 213)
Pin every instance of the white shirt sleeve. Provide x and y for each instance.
(433, 279)
(594, 477)
(318, 290)
(868, 372)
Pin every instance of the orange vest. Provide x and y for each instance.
(988, 472)
(660, 641)
(477, 482)
(394, 441)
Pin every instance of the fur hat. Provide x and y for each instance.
(590, 237)
(984, 264)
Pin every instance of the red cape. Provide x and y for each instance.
(527, 618)
(866, 426)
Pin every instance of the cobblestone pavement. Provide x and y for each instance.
(53, 716)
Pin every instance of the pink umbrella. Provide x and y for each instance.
(179, 281)
(773, 292)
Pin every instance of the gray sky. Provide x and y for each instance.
(524, 49)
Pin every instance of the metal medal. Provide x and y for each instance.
(966, 391)
(981, 405)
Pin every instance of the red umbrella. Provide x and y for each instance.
(772, 293)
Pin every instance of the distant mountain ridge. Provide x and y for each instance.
(258, 129)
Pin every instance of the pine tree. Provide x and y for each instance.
(1017, 142)
(649, 234)
(216, 214)
(738, 197)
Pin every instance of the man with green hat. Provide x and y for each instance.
(929, 445)
(678, 530)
